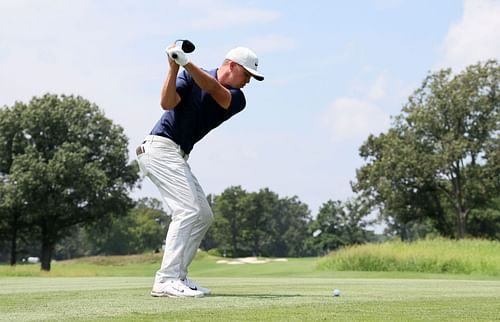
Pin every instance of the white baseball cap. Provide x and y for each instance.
(246, 58)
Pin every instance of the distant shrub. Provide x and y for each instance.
(215, 252)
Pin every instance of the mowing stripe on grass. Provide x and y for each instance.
(250, 299)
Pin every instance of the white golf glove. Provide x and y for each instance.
(177, 55)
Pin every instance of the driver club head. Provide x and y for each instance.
(186, 46)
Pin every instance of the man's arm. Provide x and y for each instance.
(210, 85)
(169, 97)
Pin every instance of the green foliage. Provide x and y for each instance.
(143, 229)
(289, 229)
(260, 209)
(465, 256)
(485, 222)
(433, 257)
(215, 252)
(245, 224)
(412, 230)
(258, 224)
(63, 164)
(229, 218)
(439, 161)
(339, 224)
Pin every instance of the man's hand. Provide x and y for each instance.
(176, 54)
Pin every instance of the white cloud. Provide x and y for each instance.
(378, 90)
(476, 37)
(351, 119)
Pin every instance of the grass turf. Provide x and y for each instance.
(117, 289)
(250, 299)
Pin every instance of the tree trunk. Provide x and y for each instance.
(256, 251)
(461, 231)
(234, 246)
(13, 245)
(47, 248)
(460, 208)
(234, 241)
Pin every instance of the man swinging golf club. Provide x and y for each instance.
(195, 102)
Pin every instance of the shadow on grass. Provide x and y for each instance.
(257, 296)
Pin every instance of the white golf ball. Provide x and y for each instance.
(336, 292)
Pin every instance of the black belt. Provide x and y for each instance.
(140, 150)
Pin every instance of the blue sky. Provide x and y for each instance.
(336, 71)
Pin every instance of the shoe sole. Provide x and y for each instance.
(163, 294)
(204, 293)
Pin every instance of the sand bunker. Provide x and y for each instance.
(250, 260)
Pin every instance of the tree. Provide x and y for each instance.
(258, 223)
(440, 159)
(484, 222)
(67, 164)
(260, 207)
(289, 229)
(229, 218)
(143, 229)
(339, 224)
(394, 180)
(150, 225)
(13, 221)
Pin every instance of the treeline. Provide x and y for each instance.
(245, 224)
(263, 224)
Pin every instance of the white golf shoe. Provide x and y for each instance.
(174, 288)
(195, 286)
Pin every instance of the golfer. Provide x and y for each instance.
(195, 102)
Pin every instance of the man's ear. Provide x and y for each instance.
(232, 65)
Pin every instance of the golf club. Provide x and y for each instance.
(187, 47)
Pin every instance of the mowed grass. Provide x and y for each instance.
(250, 299)
(117, 288)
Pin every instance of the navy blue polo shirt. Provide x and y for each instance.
(196, 114)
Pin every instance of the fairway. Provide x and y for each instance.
(250, 299)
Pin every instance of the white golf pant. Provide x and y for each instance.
(163, 161)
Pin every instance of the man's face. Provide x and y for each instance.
(241, 76)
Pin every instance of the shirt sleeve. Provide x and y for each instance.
(183, 83)
(238, 101)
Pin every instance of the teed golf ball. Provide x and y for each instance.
(336, 292)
